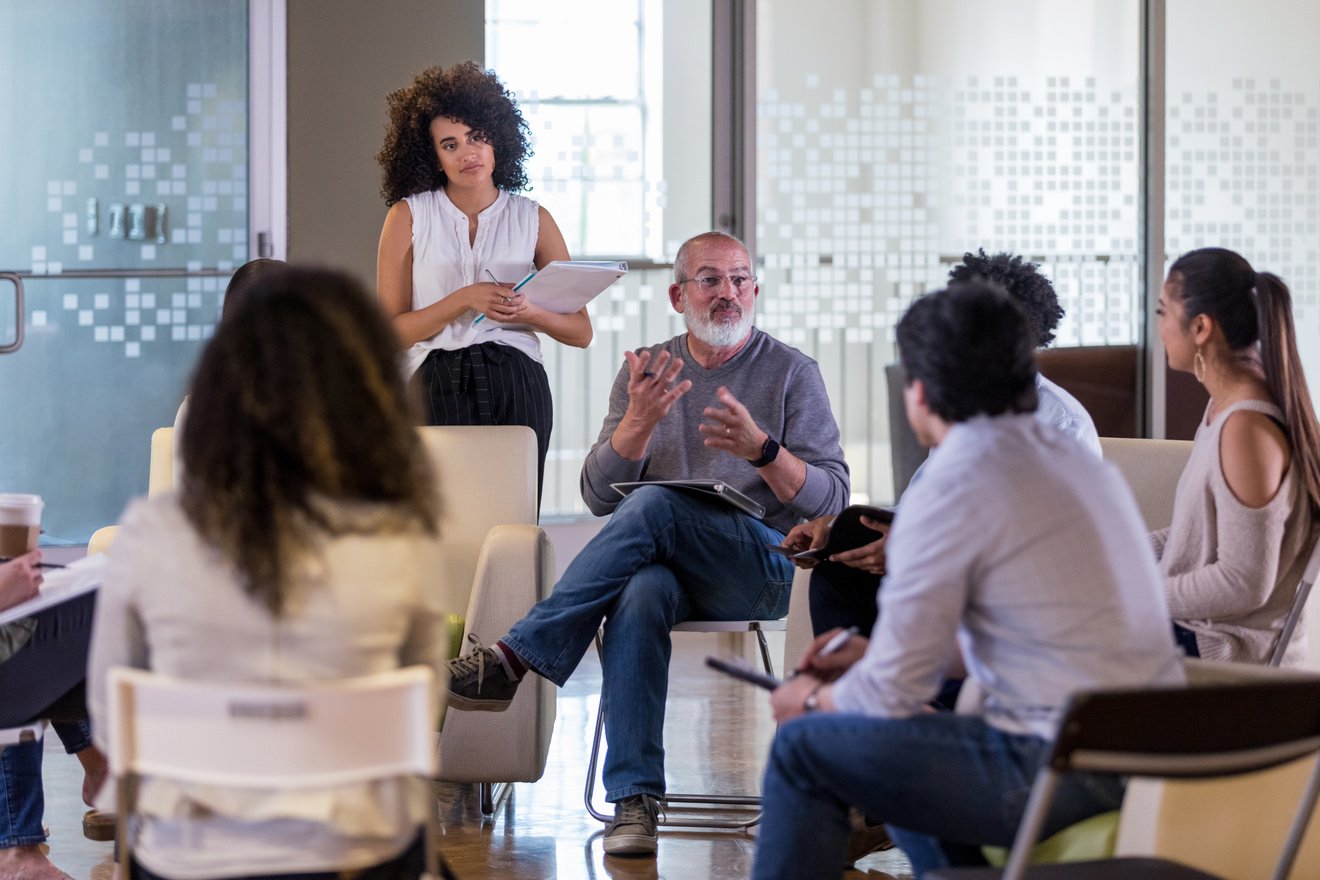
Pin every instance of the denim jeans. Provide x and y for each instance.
(944, 785)
(43, 679)
(664, 557)
(22, 800)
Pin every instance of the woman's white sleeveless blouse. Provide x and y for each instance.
(443, 261)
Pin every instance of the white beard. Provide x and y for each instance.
(715, 332)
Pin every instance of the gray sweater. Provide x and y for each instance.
(1231, 571)
(782, 389)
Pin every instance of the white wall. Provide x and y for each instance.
(344, 57)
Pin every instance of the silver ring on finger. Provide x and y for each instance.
(728, 432)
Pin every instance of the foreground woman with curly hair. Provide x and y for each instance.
(456, 239)
(300, 547)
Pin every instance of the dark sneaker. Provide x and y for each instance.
(865, 838)
(632, 833)
(478, 682)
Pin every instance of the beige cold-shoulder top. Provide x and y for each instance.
(1231, 571)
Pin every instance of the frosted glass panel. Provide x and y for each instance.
(126, 190)
(1243, 143)
(621, 130)
(894, 135)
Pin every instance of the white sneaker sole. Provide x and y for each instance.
(630, 845)
(467, 704)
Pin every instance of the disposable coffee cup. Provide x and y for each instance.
(20, 523)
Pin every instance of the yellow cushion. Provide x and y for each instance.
(454, 633)
(101, 539)
(1091, 838)
(454, 643)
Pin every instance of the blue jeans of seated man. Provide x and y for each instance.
(665, 556)
(943, 784)
(22, 799)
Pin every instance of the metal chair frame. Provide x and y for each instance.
(747, 804)
(1299, 603)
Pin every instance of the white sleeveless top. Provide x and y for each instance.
(443, 262)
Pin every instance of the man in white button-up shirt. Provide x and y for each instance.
(1017, 545)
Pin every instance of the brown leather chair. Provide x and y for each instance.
(1103, 378)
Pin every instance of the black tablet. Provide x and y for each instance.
(746, 673)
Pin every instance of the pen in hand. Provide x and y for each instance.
(4, 559)
(482, 316)
(838, 641)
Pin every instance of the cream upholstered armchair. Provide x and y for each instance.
(1151, 469)
(498, 563)
(160, 479)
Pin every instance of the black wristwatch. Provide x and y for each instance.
(769, 452)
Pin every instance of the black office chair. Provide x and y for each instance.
(1192, 732)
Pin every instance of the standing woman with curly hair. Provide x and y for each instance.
(1245, 509)
(301, 546)
(456, 238)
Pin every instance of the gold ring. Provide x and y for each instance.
(728, 432)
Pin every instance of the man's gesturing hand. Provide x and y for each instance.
(730, 427)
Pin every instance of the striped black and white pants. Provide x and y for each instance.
(489, 384)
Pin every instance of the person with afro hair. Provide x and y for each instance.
(843, 588)
(456, 239)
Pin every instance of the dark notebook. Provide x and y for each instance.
(848, 532)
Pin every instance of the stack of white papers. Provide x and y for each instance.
(60, 585)
(564, 286)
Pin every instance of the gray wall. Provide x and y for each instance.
(344, 57)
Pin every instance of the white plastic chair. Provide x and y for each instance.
(24, 733)
(747, 805)
(262, 736)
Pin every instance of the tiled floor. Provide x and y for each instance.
(717, 733)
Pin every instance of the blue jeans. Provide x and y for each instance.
(944, 785)
(665, 556)
(22, 800)
(43, 679)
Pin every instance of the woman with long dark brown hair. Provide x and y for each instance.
(1247, 502)
(300, 546)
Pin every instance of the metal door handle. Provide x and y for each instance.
(18, 313)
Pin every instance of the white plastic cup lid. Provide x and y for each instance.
(20, 509)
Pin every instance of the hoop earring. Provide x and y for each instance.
(1198, 366)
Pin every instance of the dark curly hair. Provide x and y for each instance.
(464, 92)
(298, 428)
(968, 345)
(1020, 280)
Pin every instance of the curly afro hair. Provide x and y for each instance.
(1021, 281)
(464, 92)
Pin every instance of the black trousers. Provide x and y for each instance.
(44, 678)
(842, 596)
(489, 384)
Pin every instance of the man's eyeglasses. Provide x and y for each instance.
(712, 283)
